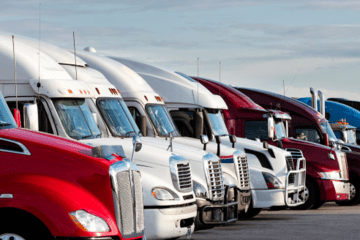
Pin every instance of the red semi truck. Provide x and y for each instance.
(310, 126)
(54, 188)
(245, 118)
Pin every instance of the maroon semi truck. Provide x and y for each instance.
(245, 118)
(54, 188)
(309, 125)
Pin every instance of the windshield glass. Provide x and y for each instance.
(217, 123)
(6, 119)
(325, 127)
(280, 130)
(76, 118)
(117, 117)
(161, 120)
(352, 136)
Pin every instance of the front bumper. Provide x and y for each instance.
(173, 222)
(268, 198)
(211, 213)
(333, 190)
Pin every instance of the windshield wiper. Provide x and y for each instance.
(3, 124)
(88, 136)
(128, 133)
(99, 135)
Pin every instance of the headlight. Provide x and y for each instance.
(229, 180)
(332, 156)
(272, 182)
(329, 175)
(164, 194)
(89, 222)
(199, 190)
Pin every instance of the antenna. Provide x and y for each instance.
(198, 66)
(219, 76)
(75, 55)
(13, 42)
(284, 87)
(39, 85)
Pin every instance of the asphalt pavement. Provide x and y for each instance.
(326, 223)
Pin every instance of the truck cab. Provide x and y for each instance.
(344, 132)
(56, 103)
(56, 188)
(217, 204)
(307, 126)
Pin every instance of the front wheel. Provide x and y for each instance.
(15, 230)
(252, 212)
(310, 197)
(354, 194)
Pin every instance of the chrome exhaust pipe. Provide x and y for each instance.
(313, 99)
(322, 103)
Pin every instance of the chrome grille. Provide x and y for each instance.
(295, 153)
(125, 202)
(128, 198)
(290, 167)
(344, 168)
(216, 180)
(244, 174)
(184, 174)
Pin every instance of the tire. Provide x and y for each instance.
(241, 215)
(318, 204)
(310, 196)
(354, 193)
(19, 230)
(252, 212)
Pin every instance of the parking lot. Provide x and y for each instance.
(328, 222)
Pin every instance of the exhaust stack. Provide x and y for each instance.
(322, 103)
(313, 99)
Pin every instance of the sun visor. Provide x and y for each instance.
(281, 115)
(62, 88)
(212, 101)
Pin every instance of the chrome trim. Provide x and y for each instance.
(6, 196)
(295, 193)
(22, 146)
(342, 161)
(174, 162)
(209, 160)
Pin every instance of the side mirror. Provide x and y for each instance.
(31, 116)
(232, 140)
(141, 123)
(95, 116)
(345, 136)
(17, 117)
(271, 128)
(218, 141)
(204, 139)
(326, 140)
(137, 143)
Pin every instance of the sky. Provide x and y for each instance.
(262, 44)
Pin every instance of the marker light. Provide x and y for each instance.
(97, 90)
(80, 91)
(70, 91)
(146, 98)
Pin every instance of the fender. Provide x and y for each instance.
(45, 197)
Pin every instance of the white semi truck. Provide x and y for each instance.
(194, 108)
(51, 101)
(207, 175)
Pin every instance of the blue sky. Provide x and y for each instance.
(259, 43)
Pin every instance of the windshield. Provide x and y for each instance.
(280, 130)
(325, 127)
(76, 118)
(161, 120)
(6, 119)
(352, 136)
(117, 117)
(217, 123)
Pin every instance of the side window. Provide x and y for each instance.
(256, 129)
(44, 123)
(338, 134)
(307, 134)
(134, 113)
(184, 121)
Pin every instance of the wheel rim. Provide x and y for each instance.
(306, 191)
(352, 191)
(10, 236)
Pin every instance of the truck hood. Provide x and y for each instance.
(147, 154)
(298, 142)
